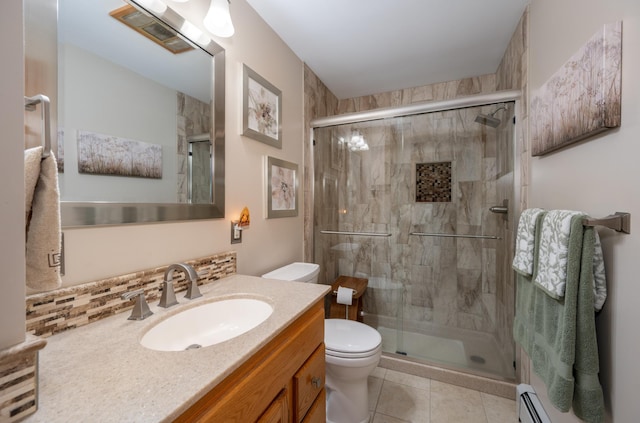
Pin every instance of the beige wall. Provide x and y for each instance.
(599, 176)
(11, 169)
(102, 252)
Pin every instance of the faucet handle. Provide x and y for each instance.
(140, 308)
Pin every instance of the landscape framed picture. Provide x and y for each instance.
(261, 109)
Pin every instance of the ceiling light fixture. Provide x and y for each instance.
(218, 19)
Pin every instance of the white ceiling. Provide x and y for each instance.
(361, 47)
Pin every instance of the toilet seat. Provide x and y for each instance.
(350, 339)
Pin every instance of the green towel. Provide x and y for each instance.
(559, 335)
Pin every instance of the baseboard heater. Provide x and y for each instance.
(530, 408)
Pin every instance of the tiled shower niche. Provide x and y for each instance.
(433, 182)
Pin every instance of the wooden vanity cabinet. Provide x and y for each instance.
(281, 383)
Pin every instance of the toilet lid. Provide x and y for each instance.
(348, 336)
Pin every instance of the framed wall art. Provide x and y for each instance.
(101, 154)
(583, 97)
(282, 188)
(261, 109)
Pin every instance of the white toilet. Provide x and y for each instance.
(352, 351)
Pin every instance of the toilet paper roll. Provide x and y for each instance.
(345, 295)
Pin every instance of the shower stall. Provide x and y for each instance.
(420, 202)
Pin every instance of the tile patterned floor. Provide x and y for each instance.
(396, 397)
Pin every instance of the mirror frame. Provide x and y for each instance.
(83, 214)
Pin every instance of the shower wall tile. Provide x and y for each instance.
(470, 203)
(319, 101)
(469, 252)
(193, 118)
(469, 290)
(489, 270)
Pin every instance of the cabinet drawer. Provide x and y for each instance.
(317, 412)
(277, 411)
(308, 382)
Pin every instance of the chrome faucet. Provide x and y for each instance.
(168, 297)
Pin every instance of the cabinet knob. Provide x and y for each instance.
(316, 382)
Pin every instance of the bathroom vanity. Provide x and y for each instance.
(273, 373)
(283, 382)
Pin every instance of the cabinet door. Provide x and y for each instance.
(308, 382)
(278, 411)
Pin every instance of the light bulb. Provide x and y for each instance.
(193, 33)
(218, 19)
(156, 6)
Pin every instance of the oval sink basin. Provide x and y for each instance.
(207, 324)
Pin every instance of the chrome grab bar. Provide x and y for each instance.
(356, 233)
(455, 235)
(30, 104)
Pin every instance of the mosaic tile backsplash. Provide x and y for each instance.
(52, 312)
(433, 182)
(18, 385)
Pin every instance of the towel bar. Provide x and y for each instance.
(619, 222)
(355, 233)
(30, 104)
(455, 235)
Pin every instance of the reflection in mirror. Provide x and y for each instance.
(199, 169)
(136, 111)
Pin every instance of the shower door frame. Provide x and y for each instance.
(428, 107)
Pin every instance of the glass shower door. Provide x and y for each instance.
(405, 203)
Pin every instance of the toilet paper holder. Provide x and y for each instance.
(354, 293)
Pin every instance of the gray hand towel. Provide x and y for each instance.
(42, 210)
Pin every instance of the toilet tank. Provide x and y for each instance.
(301, 272)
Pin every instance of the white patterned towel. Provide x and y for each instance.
(525, 241)
(553, 254)
(554, 251)
(599, 279)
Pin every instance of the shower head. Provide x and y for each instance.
(489, 120)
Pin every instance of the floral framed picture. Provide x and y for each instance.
(261, 109)
(282, 188)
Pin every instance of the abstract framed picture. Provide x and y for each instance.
(282, 188)
(583, 97)
(261, 109)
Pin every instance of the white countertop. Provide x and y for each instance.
(101, 373)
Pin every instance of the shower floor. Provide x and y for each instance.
(476, 352)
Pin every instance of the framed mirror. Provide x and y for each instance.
(137, 100)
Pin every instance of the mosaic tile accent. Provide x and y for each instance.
(19, 380)
(433, 182)
(57, 311)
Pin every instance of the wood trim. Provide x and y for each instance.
(247, 392)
